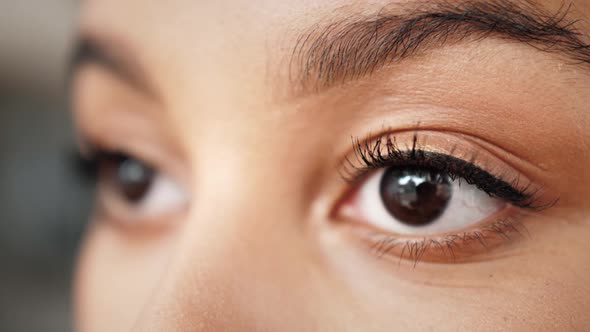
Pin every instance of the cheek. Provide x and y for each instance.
(115, 276)
(543, 285)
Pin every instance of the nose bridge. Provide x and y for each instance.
(239, 249)
(243, 246)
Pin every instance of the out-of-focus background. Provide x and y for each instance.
(43, 205)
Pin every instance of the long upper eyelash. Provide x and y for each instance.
(384, 152)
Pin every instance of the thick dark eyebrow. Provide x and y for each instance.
(112, 57)
(358, 46)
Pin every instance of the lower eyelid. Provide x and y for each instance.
(478, 243)
(486, 239)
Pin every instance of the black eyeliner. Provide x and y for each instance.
(384, 153)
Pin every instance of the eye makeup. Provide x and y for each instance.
(460, 161)
(384, 152)
(458, 247)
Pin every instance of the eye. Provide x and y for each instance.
(418, 202)
(130, 190)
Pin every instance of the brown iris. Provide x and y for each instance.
(131, 178)
(415, 197)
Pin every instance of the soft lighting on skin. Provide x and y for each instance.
(245, 112)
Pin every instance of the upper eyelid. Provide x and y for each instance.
(160, 159)
(516, 189)
(476, 172)
(448, 142)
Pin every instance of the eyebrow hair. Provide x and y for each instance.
(112, 56)
(358, 46)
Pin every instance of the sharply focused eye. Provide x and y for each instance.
(131, 190)
(418, 201)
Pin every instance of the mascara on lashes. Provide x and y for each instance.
(383, 152)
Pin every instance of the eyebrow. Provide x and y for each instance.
(111, 56)
(355, 47)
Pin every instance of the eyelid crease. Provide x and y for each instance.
(479, 140)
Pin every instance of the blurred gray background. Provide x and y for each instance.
(43, 204)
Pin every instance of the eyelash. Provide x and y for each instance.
(384, 152)
(450, 246)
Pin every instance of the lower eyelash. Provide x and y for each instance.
(452, 248)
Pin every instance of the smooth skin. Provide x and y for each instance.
(258, 246)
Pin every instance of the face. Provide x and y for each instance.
(334, 165)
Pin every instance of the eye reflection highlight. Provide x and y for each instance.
(410, 199)
(415, 197)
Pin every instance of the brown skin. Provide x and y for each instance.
(259, 246)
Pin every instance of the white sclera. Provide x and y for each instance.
(468, 205)
(164, 195)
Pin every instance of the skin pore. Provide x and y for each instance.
(265, 215)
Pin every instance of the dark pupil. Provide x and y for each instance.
(132, 178)
(415, 197)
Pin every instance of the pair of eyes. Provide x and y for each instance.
(406, 201)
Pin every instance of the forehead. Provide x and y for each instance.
(266, 18)
(180, 41)
(229, 13)
(242, 34)
(241, 25)
(194, 50)
(227, 41)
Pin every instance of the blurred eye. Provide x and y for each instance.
(419, 202)
(131, 190)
